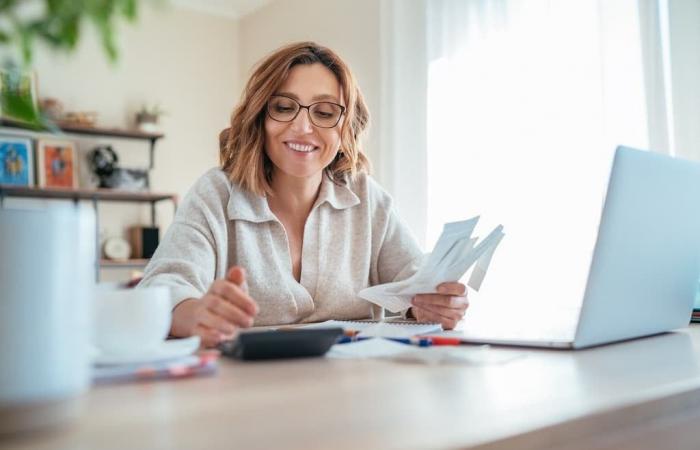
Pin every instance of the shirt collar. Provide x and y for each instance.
(338, 195)
(245, 205)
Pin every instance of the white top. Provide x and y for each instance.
(353, 239)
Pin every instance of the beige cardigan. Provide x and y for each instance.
(352, 239)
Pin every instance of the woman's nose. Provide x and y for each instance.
(302, 122)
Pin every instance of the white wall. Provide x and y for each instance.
(186, 61)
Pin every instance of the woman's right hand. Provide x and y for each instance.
(220, 313)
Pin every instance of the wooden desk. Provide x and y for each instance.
(642, 394)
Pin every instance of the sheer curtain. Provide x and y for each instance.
(527, 100)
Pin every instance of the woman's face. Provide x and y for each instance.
(299, 148)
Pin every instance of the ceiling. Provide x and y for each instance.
(227, 8)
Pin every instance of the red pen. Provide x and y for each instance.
(444, 340)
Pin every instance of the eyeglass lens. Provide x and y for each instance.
(322, 114)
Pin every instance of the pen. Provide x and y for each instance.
(420, 342)
(347, 339)
(444, 340)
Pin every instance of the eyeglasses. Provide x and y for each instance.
(322, 114)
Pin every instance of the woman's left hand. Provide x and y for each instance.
(447, 307)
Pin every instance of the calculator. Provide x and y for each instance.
(281, 343)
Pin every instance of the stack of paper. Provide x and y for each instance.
(455, 252)
(695, 316)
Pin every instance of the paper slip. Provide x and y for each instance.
(371, 348)
(394, 351)
(455, 252)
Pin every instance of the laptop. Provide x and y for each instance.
(644, 271)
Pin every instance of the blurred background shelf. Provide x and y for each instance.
(62, 129)
(85, 194)
(94, 195)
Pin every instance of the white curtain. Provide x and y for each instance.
(527, 100)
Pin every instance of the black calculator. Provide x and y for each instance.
(281, 343)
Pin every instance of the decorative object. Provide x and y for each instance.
(104, 163)
(147, 118)
(79, 119)
(117, 249)
(18, 99)
(144, 241)
(103, 160)
(56, 163)
(51, 108)
(16, 162)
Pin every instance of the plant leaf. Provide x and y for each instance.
(129, 9)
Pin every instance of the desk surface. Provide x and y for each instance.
(597, 398)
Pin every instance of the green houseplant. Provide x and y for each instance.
(60, 24)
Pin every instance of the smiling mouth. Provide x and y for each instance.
(301, 148)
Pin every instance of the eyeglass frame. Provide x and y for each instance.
(308, 110)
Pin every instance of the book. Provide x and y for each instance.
(187, 366)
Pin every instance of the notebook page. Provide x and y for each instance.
(380, 329)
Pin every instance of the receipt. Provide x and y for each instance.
(455, 252)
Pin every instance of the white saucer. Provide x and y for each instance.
(173, 348)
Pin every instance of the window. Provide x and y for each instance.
(527, 101)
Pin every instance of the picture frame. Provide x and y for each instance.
(16, 161)
(57, 162)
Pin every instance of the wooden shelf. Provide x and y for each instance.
(108, 263)
(83, 130)
(110, 132)
(85, 194)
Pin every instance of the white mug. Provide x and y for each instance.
(130, 321)
(47, 273)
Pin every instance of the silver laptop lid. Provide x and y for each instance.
(646, 262)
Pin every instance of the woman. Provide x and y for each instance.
(290, 227)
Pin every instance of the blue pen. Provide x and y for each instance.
(347, 339)
(420, 342)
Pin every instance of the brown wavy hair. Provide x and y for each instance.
(242, 146)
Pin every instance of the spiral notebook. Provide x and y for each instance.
(394, 329)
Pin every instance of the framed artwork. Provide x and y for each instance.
(56, 163)
(18, 96)
(16, 162)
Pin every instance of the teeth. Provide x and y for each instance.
(301, 148)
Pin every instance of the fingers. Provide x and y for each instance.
(224, 309)
(210, 337)
(236, 275)
(425, 315)
(232, 313)
(215, 322)
(441, 301)
(452, 288)
(448, 313)
(446, 310)
(234, 294)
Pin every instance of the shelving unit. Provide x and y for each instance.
(18, 128)
(94, 195)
